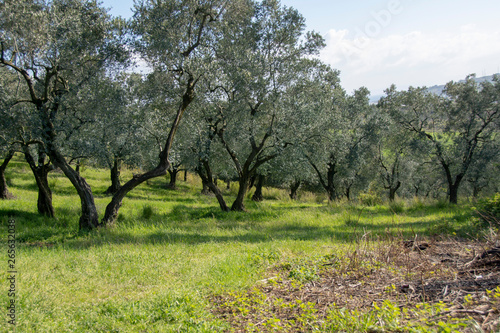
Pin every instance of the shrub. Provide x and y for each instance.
(489, 210)
(369, 198)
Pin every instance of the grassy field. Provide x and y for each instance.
(172, 254)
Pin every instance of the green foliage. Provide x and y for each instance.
(389, 317)
(489, 210)
(369, 198)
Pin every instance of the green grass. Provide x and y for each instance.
(170, 251)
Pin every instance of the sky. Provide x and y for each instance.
(376, 43)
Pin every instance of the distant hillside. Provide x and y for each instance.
(438, 90)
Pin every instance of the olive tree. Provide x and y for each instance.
(455, 126)
(55, 47)
(344, 142)
(259, 60)
(176, 38)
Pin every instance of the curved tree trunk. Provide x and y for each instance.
(161, 169)
(257, 196)
(4, 190)
(89, 219)
(41, 172)
(44, 203)
(329, 184)
(205, 174)
(453, 186)
(393, 190)
(238, 203)
(114, 206)
(115, 177)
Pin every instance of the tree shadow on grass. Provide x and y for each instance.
(251, 228)
(17, 215)
(200, 225)
(32, 227)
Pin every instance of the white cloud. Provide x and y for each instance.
(415, 58)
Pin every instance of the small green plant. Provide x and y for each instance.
(147, 212)
(350, 219)
(494, 295)
(397, 206)
(304, 273)
(369, 198)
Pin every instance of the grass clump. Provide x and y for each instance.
(147, 212)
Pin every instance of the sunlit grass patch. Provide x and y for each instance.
(170, 251)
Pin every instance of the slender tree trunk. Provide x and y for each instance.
(77, 166)
(185, 175)
(173, 178)
(115, 176)
(114, 206)
(294, 188)
(329, 184)
(417, 190)
(220, 198)
(257, 196)
(251, 183)
(453, 186)
(89, 219)
(4, 190)
(228, 184)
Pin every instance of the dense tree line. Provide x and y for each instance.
(233, 92)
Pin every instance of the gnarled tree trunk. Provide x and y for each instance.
(161, 169)
(207, 179)
(173, 178)
(41, 172)
(393, 190)
(115, 176)
(257, 196)
(238, 202)
(4, 190)
(89, 219)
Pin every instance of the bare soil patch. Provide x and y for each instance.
(461, 274)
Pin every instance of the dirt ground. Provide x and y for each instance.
(458, 273)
